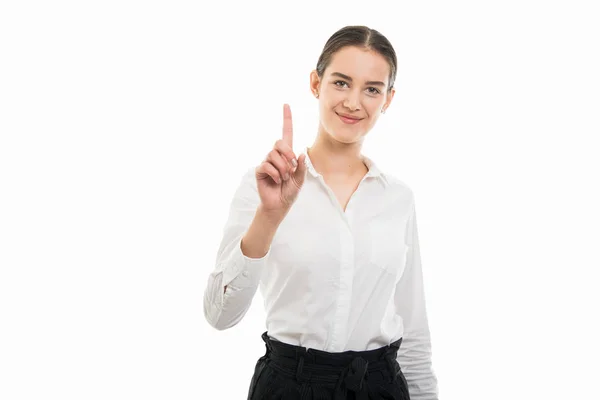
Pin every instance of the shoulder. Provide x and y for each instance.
(392, 183)
(246, 185)
(249, 174)
(249, 178)
(400, 193)
(397, 185)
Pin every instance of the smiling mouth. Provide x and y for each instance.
(347, 120)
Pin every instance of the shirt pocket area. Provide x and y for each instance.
(388, 249)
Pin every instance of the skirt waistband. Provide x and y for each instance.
(320, 357)
(349, 368)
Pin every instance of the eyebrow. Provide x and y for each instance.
(377, 83)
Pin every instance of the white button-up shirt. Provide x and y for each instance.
(332, 280)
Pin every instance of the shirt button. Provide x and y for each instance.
(245, 273)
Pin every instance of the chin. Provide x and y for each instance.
(345, 136)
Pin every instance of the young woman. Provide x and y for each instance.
(332, 242)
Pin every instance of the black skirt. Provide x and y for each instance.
(291, 372)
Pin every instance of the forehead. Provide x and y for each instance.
(360, 64)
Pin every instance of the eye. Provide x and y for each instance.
(342, 82)
(375, 90)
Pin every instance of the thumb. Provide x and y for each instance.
(300, 172)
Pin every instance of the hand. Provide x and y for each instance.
(280, 176)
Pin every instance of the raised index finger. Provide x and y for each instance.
(288, 132)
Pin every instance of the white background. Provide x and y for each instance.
(126, 127)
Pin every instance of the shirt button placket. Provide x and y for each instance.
(345, 291)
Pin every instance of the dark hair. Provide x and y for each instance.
(359, 36)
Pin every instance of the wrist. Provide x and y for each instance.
(273, 218)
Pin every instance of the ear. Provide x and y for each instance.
(389, 98)
(315, 83)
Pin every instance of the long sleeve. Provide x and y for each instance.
(414, 355)
(225, 308)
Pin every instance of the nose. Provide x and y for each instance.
(351, 101)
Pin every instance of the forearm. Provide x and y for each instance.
(259, 236)
(242, 268)
(257, 240)
(234, 280)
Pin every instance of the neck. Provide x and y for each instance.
(336, 159)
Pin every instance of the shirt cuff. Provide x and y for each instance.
(242, 271)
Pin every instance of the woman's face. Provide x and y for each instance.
(354, 84)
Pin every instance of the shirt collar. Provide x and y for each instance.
(374, 170)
